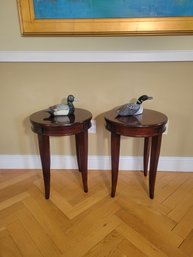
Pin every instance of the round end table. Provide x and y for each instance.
(45, 125)
(150, 125)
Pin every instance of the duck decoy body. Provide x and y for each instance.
(63, 109)
(133, 108)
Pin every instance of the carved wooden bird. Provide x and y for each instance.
(133, 108)
(63, 109)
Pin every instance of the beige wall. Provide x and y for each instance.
(10, 38)
(28, 87)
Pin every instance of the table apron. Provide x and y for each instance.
(60, 130)
(136, 132)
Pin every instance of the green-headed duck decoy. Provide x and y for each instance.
(63, 109)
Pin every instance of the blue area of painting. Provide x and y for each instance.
(64, 9)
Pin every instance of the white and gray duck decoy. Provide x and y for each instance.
(63, 109)
(133, 108)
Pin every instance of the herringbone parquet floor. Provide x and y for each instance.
(75, 224)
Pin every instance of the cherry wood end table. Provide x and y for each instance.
(45, 125)
(150, 125)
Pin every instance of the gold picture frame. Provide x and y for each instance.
(103, 27)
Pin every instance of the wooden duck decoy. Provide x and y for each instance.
(63, 109)
(133, 108)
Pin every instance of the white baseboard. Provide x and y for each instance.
(180, 164)
(97, 56)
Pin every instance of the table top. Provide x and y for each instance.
(148, 118)
(44, 118)
(43, 123)
(148, 124)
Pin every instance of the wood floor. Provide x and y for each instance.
(75, 224)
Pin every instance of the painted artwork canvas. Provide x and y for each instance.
(94, 9)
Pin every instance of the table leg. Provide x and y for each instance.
(115, 149)
(44, 148)
(82, 156)
(147, 146)
(78, 151)
(155, 151)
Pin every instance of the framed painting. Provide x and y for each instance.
(105, 17)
